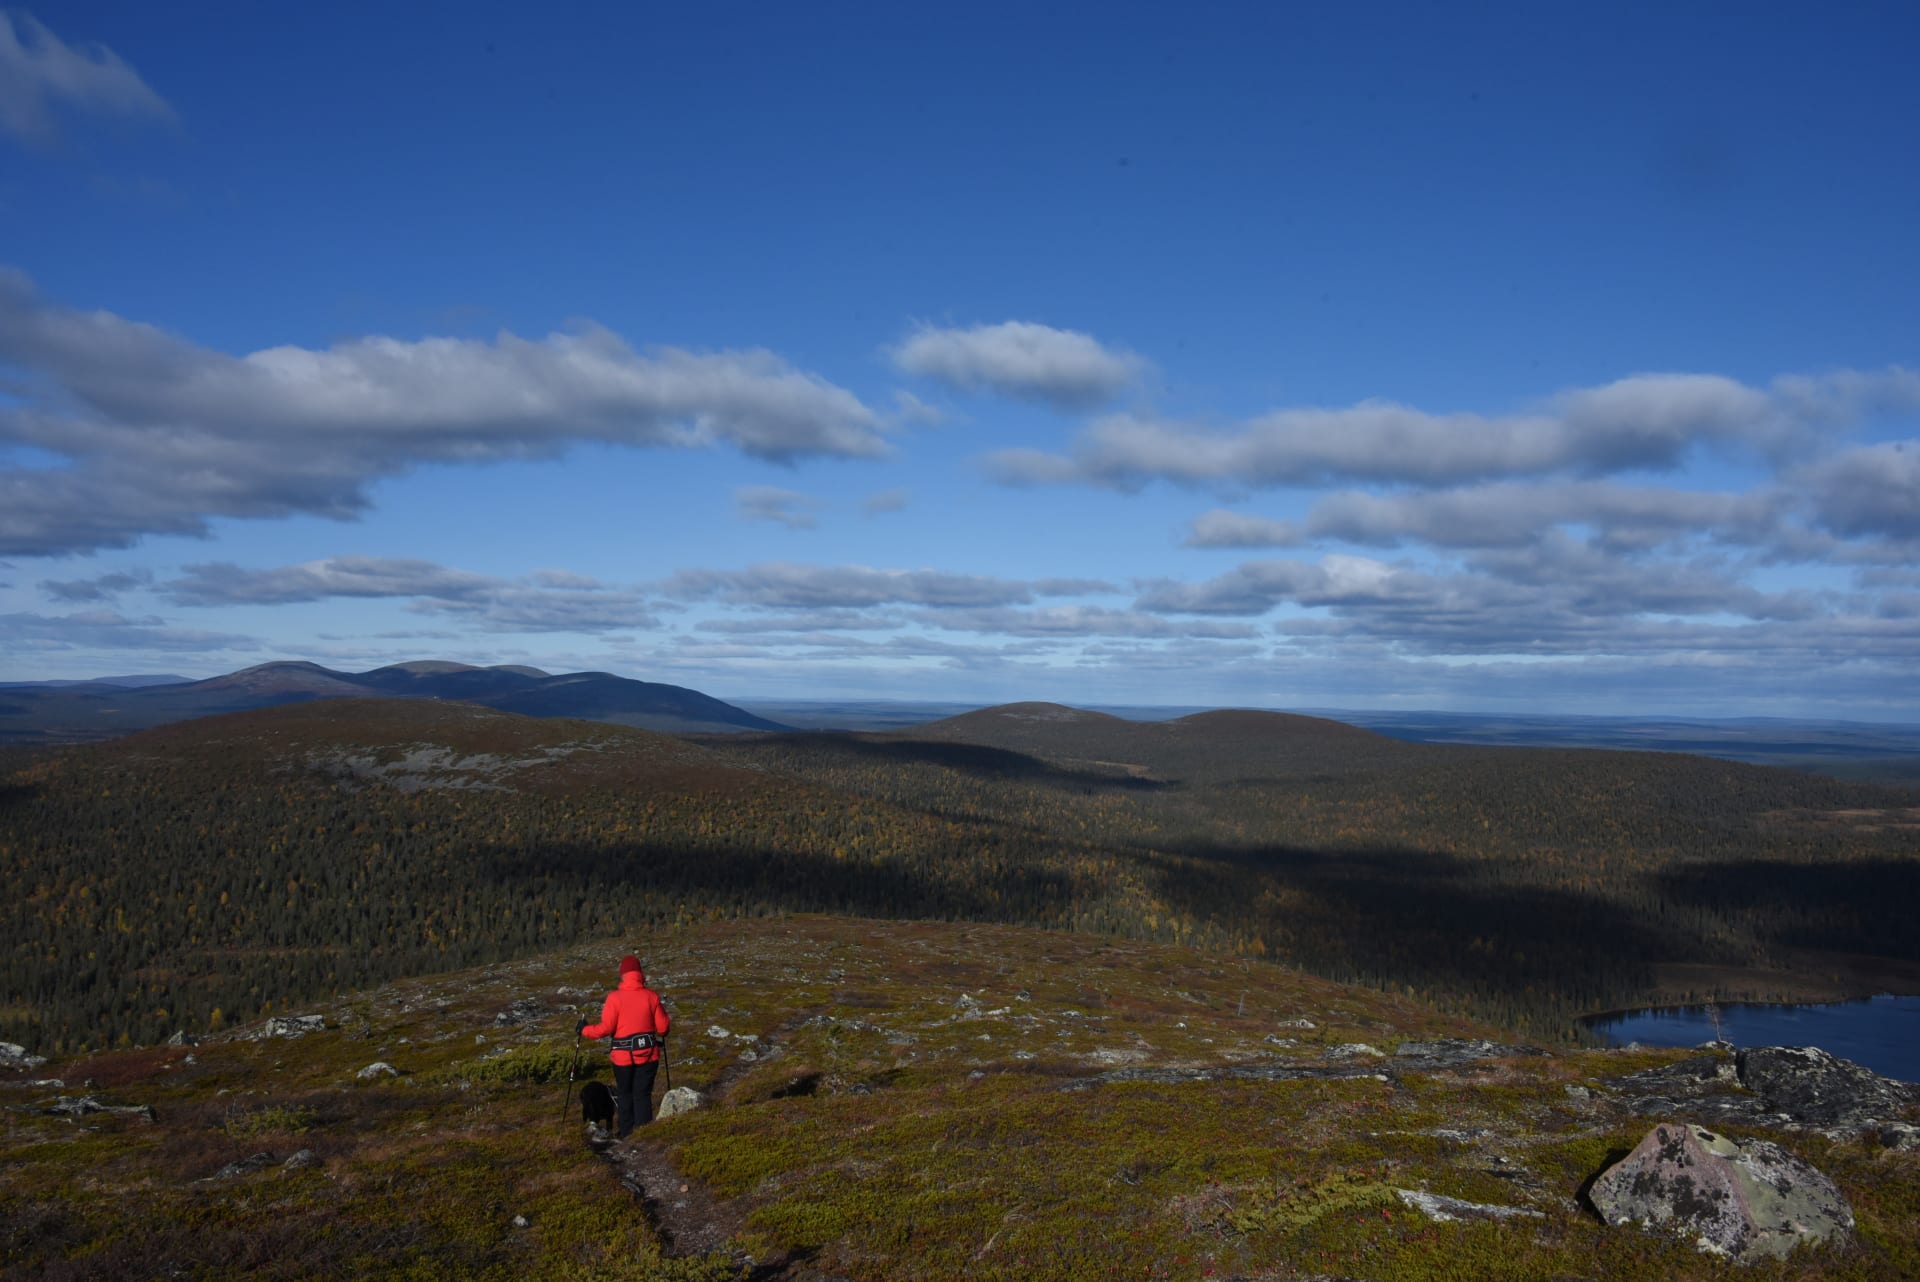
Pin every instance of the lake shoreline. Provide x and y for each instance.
(1881, 1033)
(1818, 979)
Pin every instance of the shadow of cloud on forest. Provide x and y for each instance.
(16, 794)
(1389, 917)
(1860, 906)
(970, 759)
(760, 880)
(1396, 913)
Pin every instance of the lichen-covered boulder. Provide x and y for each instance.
(1746, 1199)
(681, 1099)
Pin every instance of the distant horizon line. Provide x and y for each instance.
(976, 704)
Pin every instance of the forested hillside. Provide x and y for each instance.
(219, 869)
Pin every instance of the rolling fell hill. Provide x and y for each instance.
(78, 713)
(1204, 746)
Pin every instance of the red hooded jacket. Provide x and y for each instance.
(629, 1009)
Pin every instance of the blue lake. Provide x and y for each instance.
(1882, 1033)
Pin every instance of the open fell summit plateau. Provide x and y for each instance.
(887, 1100)
(39, 714)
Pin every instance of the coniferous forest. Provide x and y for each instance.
(218, 870)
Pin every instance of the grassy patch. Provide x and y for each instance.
(523, 1066)
(275, 1119)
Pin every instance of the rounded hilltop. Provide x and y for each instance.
(1236, 742)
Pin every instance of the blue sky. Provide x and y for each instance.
(1546, 359)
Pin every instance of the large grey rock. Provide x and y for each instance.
(1745, 1199)
(681, 1099)
(14, 1055)
(1793, 1087)
(379, 1068)
(1809, 1085)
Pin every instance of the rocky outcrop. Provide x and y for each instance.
(1225, 1073)
(1448, 1209)
(1811, 1086)
(288, 1026)
(76, 1106)
(1745, 1199)
(245, 1166)
(525, 1011)
(1796, 1087)
(378, 1069)
(14, 1055)
(1453, 1052)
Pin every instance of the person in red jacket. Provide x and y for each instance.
(638, 1024)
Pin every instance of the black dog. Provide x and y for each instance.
(596, 1104)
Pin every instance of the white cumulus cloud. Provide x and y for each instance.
(787, 586)
(40, 73)
(546, 601)
(1645, 422)
(771, 503)
(1023, 360)
(161, 434)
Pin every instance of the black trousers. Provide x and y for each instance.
(633, 1093)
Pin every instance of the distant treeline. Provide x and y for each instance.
(156, 891)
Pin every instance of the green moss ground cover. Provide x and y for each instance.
(888, 1101)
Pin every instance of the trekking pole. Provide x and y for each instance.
(667, 1068)
(573, 1070)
